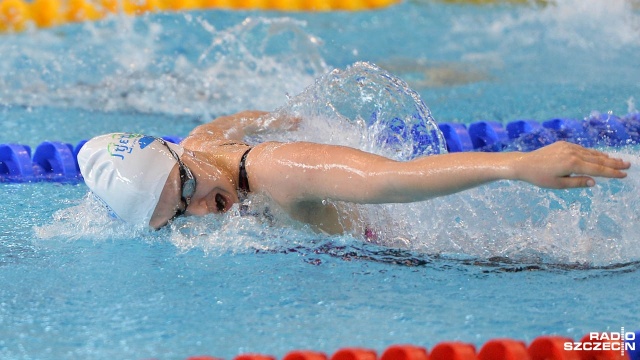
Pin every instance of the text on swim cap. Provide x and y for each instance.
(123, 144)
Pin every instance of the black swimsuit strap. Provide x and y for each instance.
(243, 180)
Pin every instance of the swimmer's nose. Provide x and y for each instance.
(199, 207)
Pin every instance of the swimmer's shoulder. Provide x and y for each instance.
(204, 142)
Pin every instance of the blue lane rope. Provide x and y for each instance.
(57, 162)
(528, 135)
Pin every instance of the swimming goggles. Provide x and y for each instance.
(187, 181)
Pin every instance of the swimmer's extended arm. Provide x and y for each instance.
(302, 172)
(245, 123)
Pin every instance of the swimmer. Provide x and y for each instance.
(148, 181)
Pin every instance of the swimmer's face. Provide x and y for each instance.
(214, 192)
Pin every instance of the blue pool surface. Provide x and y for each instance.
(503, 260)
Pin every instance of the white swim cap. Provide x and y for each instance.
(127, 172)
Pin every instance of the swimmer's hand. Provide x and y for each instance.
(274, 122)
(564, 165)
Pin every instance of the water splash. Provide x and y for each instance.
(517, 221)
(364, 107)
(577, 24)
(590, 24)
(122, 64)
(254, 225)
(87, 219)
(575, 43)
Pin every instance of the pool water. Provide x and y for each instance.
(503, 260)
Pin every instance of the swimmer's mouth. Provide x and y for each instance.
(221, 203)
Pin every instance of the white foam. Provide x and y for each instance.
(88, 219)
(515, 220)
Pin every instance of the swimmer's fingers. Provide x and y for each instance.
(586, 163)
(564, 165)
(600, 166)
(606, 161)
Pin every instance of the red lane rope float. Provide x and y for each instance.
(254, 357)
(305, 355)
(16, 15)
(601, 346)
(504, 349)
(355, 354)
(453, 351)
(551, 348)
(405, 352)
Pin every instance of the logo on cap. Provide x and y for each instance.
(123, 144)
